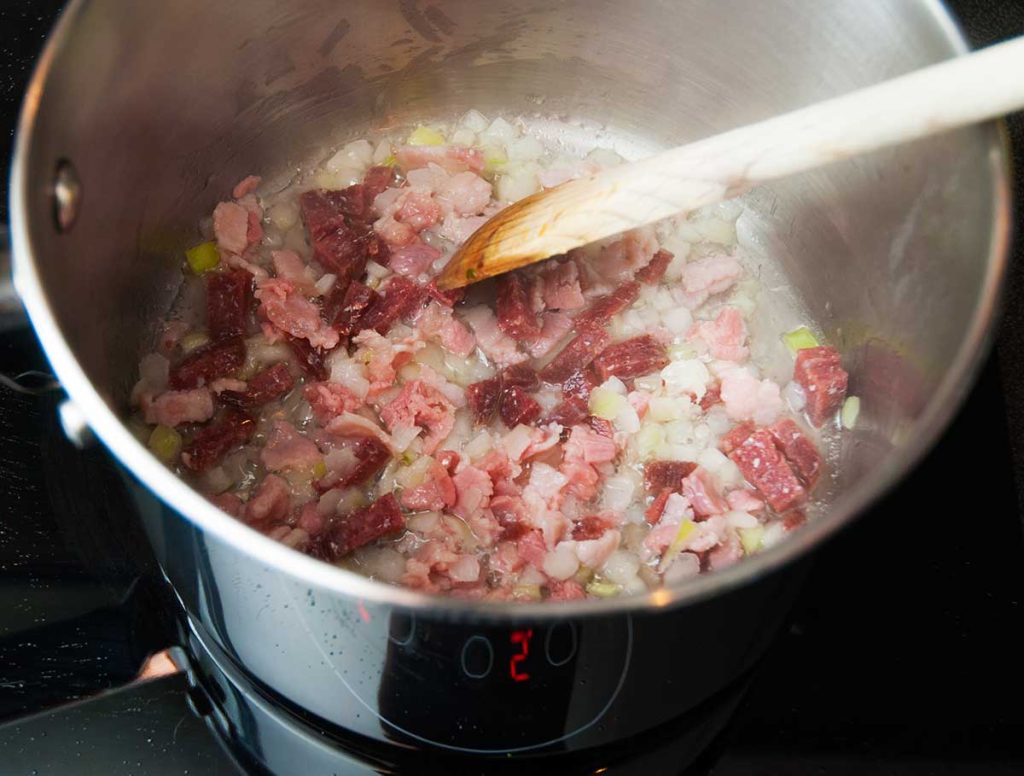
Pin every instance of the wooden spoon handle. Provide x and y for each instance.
(961, 91)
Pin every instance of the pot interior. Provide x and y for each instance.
(162, 107)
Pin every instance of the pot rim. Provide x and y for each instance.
(189, 504)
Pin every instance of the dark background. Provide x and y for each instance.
(905, 654)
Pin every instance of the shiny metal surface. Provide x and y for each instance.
(898, 255)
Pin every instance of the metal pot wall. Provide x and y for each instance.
(155, 109)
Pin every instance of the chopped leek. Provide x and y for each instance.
(193, 340)
(604, 589)
(850, 412)
(319, 470)
(425, 136)
(606, 403)
(165, 443)
(203, 257)
(685, 529)
(390, 161)
(750, 538)
(527, 591)
(799, 339)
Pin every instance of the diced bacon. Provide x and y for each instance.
(265, 386)
(653, 513)
(454, 159)
(709, 276)
(561, 286)
(483, 397)
(310, 520)
(172, 408)
(566, 590)
(655, 270)
(728, 552)
(237, 262)
(288, 265)
(326, 211)
(725, 337)
(764, 467)
(247, 185)
(294, 314)
(413, 260)
(619, 261)
(465, 193)
(711, 397)
(419, 404)
(394, 233)
(204, 365)
(516, 316)
(798, 450)
(435, 493)
(659, 475)
(582, 479)
(329, 400)
(217, 439)
(371, 456)
(495, 344)
(579, 384)
(465, 569)
(448, 298)
(228, 298)
(458, 230)
(417, 209)
(381, 359)
(449, 459)
(569, 412)
(345, 308)
(585, 444)
(286, 448)
(400, 299)
(348, 424)
(554, 327)
(631, 358)
(702, 494)
(437, 322)
(377, 179)
(230, 503)
(228, 385)
(736, 436)
(452, 392)
(312, 360)
(603, 308)
(365, 525)
(473, 487)
(231, 227)
(271, 502)
(516, 406)
(747, 398)
(591, 527)
(820, 373)
(576, 355)
(743, 500)
(594, 552)
(345, 252)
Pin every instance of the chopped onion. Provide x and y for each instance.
(474, 121)
(794, 396)
(850, 412)
(751, 538)
(621, 567)
(561, 562)
(687, 376)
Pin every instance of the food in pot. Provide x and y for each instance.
(600, 423)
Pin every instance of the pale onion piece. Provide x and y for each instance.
(620, 490)
(415, 473)
(621, 567)
(717, 230)
(383, 152)
(650, 383)
(325, 284)
(424, 522)
(677, 320)
(216, 480)
(685, 565)
(478, 446)
(606, 403)
(850, 412)
(409, 372)
(500, 132)
(342, 179)
(466, 370)
(726, 473)
(627, 420)
(687, 376)
(649, 440)
(676, 510)
(662, 300)
(561, 562)
(425, 136)
(349, 373)
(615, 384)
(718, 420)
(680, 251)
(525, 149)
(463, 136)
(636, 585)
(532, 576)
(773, 534)
(328, 503)
(603, 589)
(794, 396)
(432, 356)
(662, 409)
(681, 351)
(517, 182)
(352, 156)
(375, 270)
(679, 432)
(474, 121)
(738, 519)
(284, 215)
(751, 538)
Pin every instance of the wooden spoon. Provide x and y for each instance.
(961, 91)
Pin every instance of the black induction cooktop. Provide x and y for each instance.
(904, 655)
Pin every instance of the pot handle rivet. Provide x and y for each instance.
(67, 195)
(74, 425)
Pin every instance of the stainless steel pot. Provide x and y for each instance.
(142, 114)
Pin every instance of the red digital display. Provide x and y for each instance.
(522, 638)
